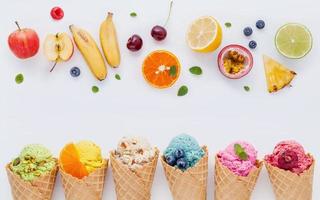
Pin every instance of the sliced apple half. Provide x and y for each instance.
(58, 48)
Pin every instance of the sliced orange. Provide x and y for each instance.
(161, 69)
(70, 162)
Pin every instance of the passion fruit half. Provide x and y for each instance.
(235, 61)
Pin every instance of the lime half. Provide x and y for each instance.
(293, 40)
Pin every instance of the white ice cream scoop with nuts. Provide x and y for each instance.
(134, 152)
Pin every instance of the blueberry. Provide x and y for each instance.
(260, 24)
(252, 44)
(75, 72)
(247, 31)
(179, 153)
(171, 160)
(182, 164)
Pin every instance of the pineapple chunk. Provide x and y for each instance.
(278, 76)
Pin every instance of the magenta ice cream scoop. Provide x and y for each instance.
(239, 157)
(290, 155)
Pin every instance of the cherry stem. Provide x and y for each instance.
(18, 25)
(171, 2)
(54, 65)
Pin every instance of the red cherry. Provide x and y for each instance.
(134, 43)
(57, 13)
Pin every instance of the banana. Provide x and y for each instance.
(109, 41)
(90, 52)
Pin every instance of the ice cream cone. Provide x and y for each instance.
(291, 186)
(133, 185)
(38, 189)
(90, 187)
(231, 186)
(190, 184)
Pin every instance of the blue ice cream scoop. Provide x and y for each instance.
(183, 152)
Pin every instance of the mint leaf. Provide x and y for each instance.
(240, 152)
(117, 76)
(19, 78)
(173, 71)
(246, 88)
(196, 70)
(228, 24)
(133, 14)
(183, 90)
(95, 89)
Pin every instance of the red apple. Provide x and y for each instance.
(24, 43)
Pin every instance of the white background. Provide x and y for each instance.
(54, 108)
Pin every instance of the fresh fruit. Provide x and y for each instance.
(90, 51)
(57, 13)
(288, 160)
(277, 75)
(293, 40)
(69, 161)
(235, 61)
(252, 44)
(171, 160)
(260, 24)
(58, 47)
(161, 69)
(24, 43)
(75, 71)
(204, 34)
(247, 31)
(134, 43)
(109, 41)
(159, 32)
(181, 163)
(179, 153)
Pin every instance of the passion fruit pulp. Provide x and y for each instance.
(235, 61)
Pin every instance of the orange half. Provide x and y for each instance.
(70, 162)
(158, 69)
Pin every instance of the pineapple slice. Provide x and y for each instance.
(278, 76)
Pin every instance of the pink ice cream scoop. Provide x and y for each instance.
(240, 162)
(290, 155)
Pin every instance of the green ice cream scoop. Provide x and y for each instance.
(33, 161)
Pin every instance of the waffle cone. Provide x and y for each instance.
(90, 187)
(290, 186)
(38, 189)
(133, 185)
(190, 184)
(231, 186)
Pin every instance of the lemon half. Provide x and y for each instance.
(204, 34)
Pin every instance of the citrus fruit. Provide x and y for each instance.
(204, 34)
(70, 162)
(293, 40)
(161, 69)
(278, 76)
(235, 61)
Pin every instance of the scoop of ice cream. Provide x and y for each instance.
(90, 155)
(134, 152)
(33, 161)
(183, 152)
(239, 157)
(290, 155)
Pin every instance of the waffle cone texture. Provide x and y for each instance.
(190, 184)
(38, 189)
(290, 186)
(88, 188)
(135, 185)
(229, 186)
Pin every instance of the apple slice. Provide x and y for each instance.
(58, 48)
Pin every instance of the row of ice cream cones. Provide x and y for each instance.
(135, 183)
